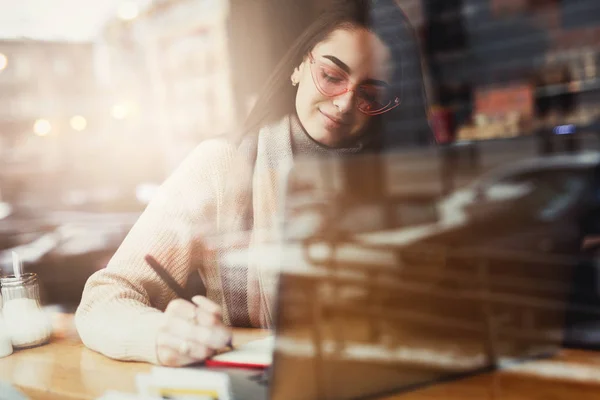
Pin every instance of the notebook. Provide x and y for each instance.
(255, 354)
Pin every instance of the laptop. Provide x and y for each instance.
(394, 278)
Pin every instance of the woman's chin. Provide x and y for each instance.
(327, 135)
(329, 139)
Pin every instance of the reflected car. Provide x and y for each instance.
(532, 205)
(518, 232)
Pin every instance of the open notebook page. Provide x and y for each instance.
(254, 354)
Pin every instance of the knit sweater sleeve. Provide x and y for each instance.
(121, 306)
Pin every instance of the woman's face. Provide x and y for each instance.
(358, 55)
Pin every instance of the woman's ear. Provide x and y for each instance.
(297, 74)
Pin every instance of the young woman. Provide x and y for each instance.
(338, 91)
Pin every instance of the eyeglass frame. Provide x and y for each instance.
(396, 102)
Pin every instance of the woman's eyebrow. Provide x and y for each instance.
(339, 63)
(375, 82)
(346, 69)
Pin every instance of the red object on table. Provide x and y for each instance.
(442, 124)
(231, 364)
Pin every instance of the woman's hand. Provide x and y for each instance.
(190, 333)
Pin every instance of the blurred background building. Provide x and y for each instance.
(50, 99)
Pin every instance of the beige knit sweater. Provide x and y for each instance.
(188, 228)
(189, 224)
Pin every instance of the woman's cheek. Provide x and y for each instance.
(361, 122)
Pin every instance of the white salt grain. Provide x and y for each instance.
(26, 323)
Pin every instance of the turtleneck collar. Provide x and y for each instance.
(304, 145)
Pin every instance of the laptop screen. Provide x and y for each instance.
(426, 265)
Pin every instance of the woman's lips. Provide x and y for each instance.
(332, 122)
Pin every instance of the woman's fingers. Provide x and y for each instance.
(209, 313)
(181, 308)
(213, 336)
(175, 351)
(191, 332)
(204, 318)
(207, 305)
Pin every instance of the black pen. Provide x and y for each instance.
(172, 283)
(169, 280)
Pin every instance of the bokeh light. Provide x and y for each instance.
(42, 127)
(128, 11)
(3, 62)
(120, 111)
(78, 123)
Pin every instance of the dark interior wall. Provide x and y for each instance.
(483, 48)
(578, 14)
(500, 48)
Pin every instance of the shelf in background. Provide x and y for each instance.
(571, 87)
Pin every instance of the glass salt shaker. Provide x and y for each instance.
(26, 322)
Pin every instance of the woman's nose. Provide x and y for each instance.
(344, 102)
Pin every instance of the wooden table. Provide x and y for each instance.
(65, 369)
(519, 385)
